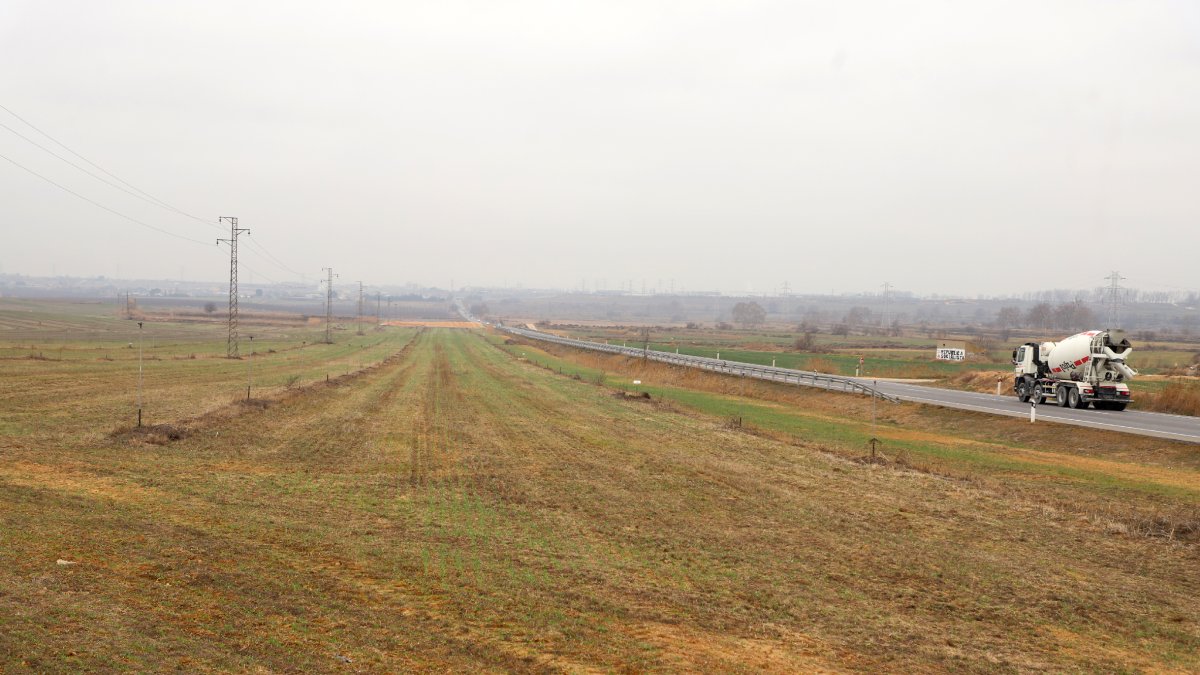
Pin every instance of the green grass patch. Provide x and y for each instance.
(850, 436)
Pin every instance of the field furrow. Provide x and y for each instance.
(463, 507)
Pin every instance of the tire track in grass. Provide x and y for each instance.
(578, 559)
(450, 533)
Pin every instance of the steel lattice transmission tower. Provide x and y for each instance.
(329, 305)
(1114, 298)
(231, 346)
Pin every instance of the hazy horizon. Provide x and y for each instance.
(941, 147)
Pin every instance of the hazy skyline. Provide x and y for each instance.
(955, 148)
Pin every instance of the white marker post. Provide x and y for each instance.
(250, 368)
(998, 380)
(139, 380)
(1032, 410)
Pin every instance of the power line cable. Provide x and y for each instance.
(136, 191)
(257, 273)
(64, 146)
(99, 205)
(50, 152)
(278, 263)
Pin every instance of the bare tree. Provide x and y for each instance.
(749, 313)
(857, 316)
(1040, 315)
(1073, 316)
(1007, 319)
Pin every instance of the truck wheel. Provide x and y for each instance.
(1060, 395)
(1023, 391)
(1117, 405)
(1102, 405)
(1038, 395)
(1074, 400)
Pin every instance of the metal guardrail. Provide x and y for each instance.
(772, 373)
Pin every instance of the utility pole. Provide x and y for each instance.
(358, 323)
(645, 344)
(231, 345)
(1114, 298)
(329, 305)
(378, 316)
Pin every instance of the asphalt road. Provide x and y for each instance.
(1177, 427)
(1161, 425)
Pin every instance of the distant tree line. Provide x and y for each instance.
(1066, 316)
(1101, 293)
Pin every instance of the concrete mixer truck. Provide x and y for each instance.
(1082, 370)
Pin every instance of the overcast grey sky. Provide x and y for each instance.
(954, 147)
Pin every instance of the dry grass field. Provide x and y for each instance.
(456, 503)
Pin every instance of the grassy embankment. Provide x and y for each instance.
(1130, 478)
(456, 508)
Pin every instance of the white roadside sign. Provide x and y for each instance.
(947, 354)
